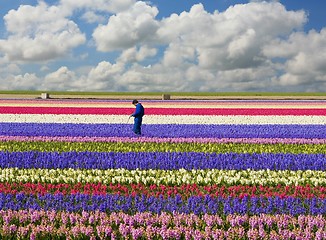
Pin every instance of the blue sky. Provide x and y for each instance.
(185, 45)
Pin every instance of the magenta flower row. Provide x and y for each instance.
(166, 111)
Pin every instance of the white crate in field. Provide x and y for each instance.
(45, 95)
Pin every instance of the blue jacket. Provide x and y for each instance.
(139, 112)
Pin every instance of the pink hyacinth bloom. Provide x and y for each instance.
(218, 234)
(253, 234)
(137, 232)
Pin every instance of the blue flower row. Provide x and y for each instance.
(162, 160)
(165, 130)
(194, 204)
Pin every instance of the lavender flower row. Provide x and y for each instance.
(165, 130)
(194, 204)
(162, 140)
(162, 160)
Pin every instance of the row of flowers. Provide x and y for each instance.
(77, 171)
(17, 146)
(141, 203)
(185, 190)
(166, 130)
(164, 119)
(166, 177)
(94, 225)
(164, 111)
(162, 160)
(163, 140)
(165, 104)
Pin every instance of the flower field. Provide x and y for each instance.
(241, 169)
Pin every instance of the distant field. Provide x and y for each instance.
(159, 95)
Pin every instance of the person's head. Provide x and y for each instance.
(134, 102)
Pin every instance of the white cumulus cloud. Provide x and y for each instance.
(305, 58)
(62, 79)
(137, 25)
(257, 46)
(137, 55)
(39, 33)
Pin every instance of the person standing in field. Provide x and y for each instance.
(138, 116)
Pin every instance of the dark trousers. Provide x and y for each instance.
(137, 125)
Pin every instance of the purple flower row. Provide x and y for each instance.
(194, 204)
(162, 160)
(165, 130)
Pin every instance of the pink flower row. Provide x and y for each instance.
(166, 111)
(163, 140)
(58, 102)
(101, 225)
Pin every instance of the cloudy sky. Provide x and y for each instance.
(163, 45)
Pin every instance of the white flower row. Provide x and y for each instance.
(161, 119)
(174, 177)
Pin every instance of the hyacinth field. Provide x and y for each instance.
(217, 169)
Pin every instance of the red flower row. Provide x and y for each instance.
(185, 191)
(164, 111)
